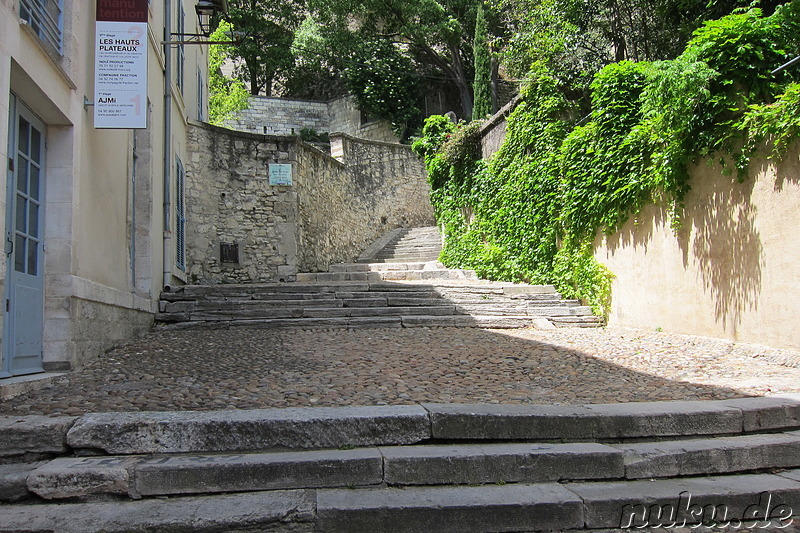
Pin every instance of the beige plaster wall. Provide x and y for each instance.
(732, 270)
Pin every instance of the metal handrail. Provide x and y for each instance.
(46, 20)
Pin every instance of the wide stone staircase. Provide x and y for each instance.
(422, 468)
(397, 282)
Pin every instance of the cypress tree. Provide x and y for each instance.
(482, 86)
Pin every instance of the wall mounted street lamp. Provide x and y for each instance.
(207, 10)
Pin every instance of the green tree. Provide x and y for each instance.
(266, 31)
(436, 35)
(574, 39)
(482, 87)
(227, 96)
(384, 83)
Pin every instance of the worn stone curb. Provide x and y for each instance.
(321, 427)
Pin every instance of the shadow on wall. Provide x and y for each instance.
(720, 227)
(718, 240)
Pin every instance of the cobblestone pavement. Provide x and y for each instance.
(245, 368)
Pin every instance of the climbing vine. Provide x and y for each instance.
(532, 212)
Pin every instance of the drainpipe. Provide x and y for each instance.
(167, 142)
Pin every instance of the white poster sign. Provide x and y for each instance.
(120, 86)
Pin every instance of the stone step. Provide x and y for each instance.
(420, 465)
(694, 457)
(408, 252)
(560, 507)
(276, 511)
(431, 311)
(577, 321)
(414, 245)
(728, 502)
(413, 275)
(314, 428)
(337, 276)
(295, 290)
(246, 430)
(369, 320)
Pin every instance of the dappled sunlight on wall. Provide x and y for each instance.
(726, 248)
(729, 271)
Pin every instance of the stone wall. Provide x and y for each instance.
(347, 118)
(282, 116)
(330, 213)
(493, 132)
(375, 187)
(730, 271)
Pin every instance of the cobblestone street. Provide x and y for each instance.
(250, 368)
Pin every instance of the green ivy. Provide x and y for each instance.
(532, 212)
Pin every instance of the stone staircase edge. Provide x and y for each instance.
(58, 435)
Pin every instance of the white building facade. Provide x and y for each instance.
(93, 217)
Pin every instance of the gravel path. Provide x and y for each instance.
(249, 368)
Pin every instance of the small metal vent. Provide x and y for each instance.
(229, 252)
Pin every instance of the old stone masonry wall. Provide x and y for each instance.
(282, 116)
(332, 210)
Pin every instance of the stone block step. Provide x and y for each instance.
(476, 464)
(389, 294)
(337, 276)
(432, 311)
(408, 257)
(412, 275)
(693, 457)
(167, 475)
(608, 422)
(248, 430)
(255, 291)
(248, 305)
(276, 511)
(577, 321)
(304, 428)
(420, 465)
(543, 507)
(470, 321)
(728, 502)
(350, 322)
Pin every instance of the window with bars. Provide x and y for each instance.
(180, 215)
(46, 19)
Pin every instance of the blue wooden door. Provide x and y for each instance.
(24, 291)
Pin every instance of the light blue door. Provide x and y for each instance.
(24, 246)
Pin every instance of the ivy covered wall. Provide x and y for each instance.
(533, 211)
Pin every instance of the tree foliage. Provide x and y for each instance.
(574, 39)
(227, 96)
(435, 35)
(266, 31)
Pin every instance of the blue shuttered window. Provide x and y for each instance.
(180, 215)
